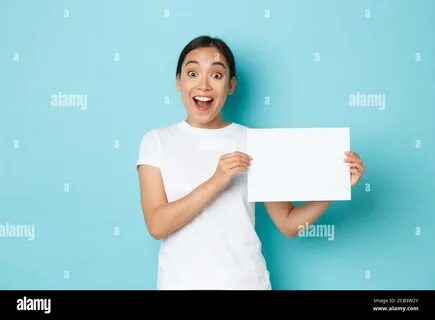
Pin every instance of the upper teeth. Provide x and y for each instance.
(203, 98)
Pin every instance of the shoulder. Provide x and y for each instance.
(241, 126)
(165, 130)
(240, 129)
(159, 132)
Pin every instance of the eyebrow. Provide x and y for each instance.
(214, 63)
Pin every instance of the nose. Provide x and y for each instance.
(204, 83)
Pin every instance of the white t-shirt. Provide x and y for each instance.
(219, 249)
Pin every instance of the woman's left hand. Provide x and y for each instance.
(356, 167)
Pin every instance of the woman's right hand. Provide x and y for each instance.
(230, 164)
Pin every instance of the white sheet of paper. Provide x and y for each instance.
(298, 164)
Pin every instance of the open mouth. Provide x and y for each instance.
(202, 102)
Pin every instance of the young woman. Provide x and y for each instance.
(194, 189)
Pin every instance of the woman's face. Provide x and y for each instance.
(205, 76)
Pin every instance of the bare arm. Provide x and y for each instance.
(288, 218)
(163, 218)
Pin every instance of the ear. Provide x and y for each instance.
(177, 82)
(232, 85)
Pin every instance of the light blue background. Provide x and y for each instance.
(376, 231)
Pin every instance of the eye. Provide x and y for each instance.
(189, 73)
(219, 75)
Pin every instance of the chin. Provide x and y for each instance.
(202, 118)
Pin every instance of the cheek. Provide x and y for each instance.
(221, 90)
(186, 90)
(186, 83)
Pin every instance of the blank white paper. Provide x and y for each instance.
(298, 164)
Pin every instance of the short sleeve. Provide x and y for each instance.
(149, 150)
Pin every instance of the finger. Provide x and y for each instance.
(357, 165)
(354, 163)
(351, 153)
(224, 156)
(360, 167)
(238, 169)
(242, 154)
(231, 154)
(235, 155)
(237, 160)
(355, 171)
(229, 164)
(352, 156)
(352, 159)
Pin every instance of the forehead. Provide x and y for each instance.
(206, 56)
